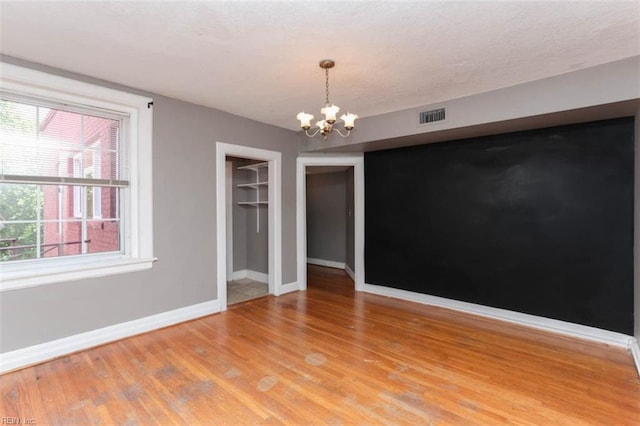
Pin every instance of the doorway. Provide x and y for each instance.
(357, 163)
(271, 164)
(330, 218)
(247, 229)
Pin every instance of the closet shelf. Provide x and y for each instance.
(253, 185)
(253, 203)
(257, 185)
(254, 167)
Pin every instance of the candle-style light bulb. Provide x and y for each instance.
(330, 112)
(349, 120)
(305, 120)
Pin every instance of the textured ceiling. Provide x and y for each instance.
(260, 59)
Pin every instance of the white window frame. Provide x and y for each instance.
(137, 214)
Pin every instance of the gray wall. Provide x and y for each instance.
(258, 242)
(184, 219)
(327, 216)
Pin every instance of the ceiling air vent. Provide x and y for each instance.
(432, 116)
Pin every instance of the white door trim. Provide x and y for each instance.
(357, 162)
(274, 211)
(229, 217)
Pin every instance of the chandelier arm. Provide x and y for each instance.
(312, 134)
(344, 135)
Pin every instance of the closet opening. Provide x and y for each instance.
(247, 229)
(248, 222)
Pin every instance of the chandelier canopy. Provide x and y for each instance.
(325, 127)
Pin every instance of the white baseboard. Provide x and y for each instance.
(35, 354)
(327, 263)
(350, 272)
(238, 275)
(541, 323)
(252, 275)
(288, 288)
(258, 276)
(332, 264)
(634, 348)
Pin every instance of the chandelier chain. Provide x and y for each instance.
(326, 73)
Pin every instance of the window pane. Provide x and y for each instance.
(108, 205)
(20, 208)
(103, 236)
(62, 230)
(58, 210)
(18, 118)
(20, 202)
(37, 141)
(62, 239)
(18, 241)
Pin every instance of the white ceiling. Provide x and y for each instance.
(260, 59)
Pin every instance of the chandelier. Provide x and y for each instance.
(325, 127)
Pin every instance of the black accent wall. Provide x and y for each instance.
(539, 221)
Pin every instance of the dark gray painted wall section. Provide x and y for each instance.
(552, 212)
(326, 216)
(350, 220)
(636, 242)
(184, 215)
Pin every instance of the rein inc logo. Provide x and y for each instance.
(5, 420)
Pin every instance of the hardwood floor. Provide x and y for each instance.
(329, 356)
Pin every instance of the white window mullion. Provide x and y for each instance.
(37, 122)
(77, 190)
(96, 159)
(59, 220)
(83, 198)
(38, 222)
(83, 227)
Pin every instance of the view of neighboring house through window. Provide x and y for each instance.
(61, 180)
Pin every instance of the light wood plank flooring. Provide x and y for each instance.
(329, 356)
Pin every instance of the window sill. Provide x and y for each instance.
(19, 279)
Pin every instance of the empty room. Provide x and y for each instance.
(310, 213)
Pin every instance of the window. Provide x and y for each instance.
(75, 179)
